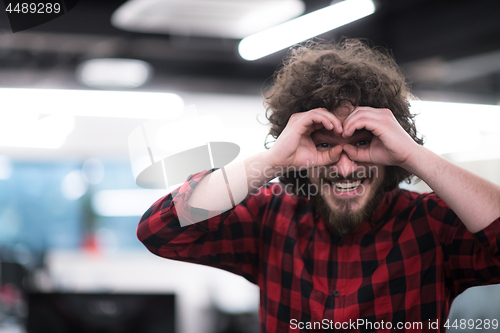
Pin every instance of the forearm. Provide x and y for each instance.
(242, 178)
(475, 200)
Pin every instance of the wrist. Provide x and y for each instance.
(269, 165)
(415, 162)
(261, 169)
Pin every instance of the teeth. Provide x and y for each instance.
(346, 186)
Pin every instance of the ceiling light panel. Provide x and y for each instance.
(307, 26)
(205, 18)
(114, 73)
(23, 104)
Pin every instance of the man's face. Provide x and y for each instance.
(349, 191)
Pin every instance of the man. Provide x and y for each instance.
(337, 245)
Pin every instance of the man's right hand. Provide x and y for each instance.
(295, 147)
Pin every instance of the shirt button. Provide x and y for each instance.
(336, 293)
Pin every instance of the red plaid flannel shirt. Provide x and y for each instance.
(405, 265)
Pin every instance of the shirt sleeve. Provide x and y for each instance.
(227, 240)
(471, 259)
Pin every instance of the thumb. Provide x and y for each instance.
(329, 157)
(355, 154)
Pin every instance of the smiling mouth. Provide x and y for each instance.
(342, 186)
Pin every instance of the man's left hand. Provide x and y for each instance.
(391, 145)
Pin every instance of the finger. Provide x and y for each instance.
(318, 118)
(356, 110)
(349, 120)
(329, 157)
(334, 154)
(368, 121)
(337, 124)
(363, 109)
(318, 126)
(357, 154)
(306, 123)
(380, 117)
(353, 115)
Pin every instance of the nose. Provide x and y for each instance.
(345, 167)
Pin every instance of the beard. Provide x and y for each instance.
(343, 220)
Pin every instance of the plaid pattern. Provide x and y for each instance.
(406, 264)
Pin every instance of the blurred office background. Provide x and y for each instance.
(73, 92)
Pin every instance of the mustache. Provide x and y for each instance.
(337, 174)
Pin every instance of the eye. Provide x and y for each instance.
(363, 143)
(323, 146)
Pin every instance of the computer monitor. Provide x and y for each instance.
(100, 313)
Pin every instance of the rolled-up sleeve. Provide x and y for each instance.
(471, 259)
(228, 240)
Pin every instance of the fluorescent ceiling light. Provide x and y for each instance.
(307, 26)
(91, 103)
(214, 18)
(114, 73)
(22, 123)
(125, 202)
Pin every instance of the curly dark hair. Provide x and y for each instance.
(324, 75)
